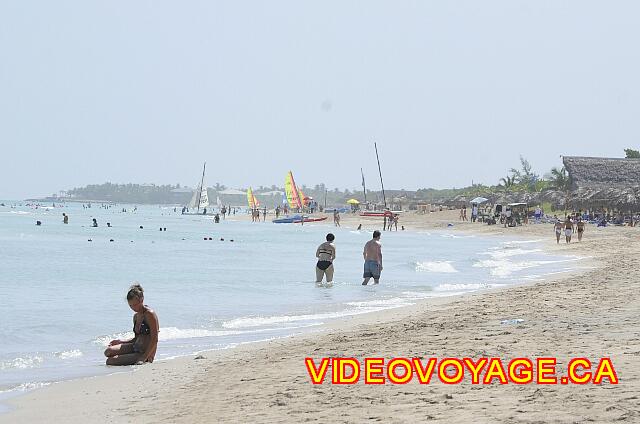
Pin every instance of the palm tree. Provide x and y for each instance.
(507, 183)
(559, 179)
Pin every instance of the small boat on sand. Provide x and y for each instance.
(296, 219)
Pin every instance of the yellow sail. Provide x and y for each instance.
(293, 197)
(251, 199)
(303, 198)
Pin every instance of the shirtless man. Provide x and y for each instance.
(568, 229)
(372, 254)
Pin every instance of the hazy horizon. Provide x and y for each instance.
(452, 92)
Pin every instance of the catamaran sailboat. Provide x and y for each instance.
(200, 200)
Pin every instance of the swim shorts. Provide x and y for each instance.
(371, 270)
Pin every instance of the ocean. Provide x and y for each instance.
(62, 297)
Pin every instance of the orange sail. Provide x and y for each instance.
(251, 199)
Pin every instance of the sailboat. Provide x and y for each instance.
(251, 199)
(386, 213)
(291, 190)
(295, 201)
(200, 199)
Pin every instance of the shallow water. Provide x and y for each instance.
(63, 296)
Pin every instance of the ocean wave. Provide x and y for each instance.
(25, 387)
(506, 253)
(168, 333)
(517, 242)
(504, 268)
(247, 322)
(461, 287)
(26, 362)
(68, 354)
(413, 295)
(395, 302)
(174, 333)
(454, 236)
(435, 266)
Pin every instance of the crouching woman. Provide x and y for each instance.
(142, 347)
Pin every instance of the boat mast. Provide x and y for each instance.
(201, 183)
(384, 197)
(364, 187)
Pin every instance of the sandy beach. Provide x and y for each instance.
(593, 314)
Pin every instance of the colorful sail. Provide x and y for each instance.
(303, 199)
(251, 199)
(293, 197)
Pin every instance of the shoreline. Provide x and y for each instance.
(71, 400)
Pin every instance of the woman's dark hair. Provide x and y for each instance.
(135, 291)
(376, 234)
(330, 237)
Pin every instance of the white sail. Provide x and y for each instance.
(204, 198)
(200, 199)
(194, 200)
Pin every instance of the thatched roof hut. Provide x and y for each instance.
(604, 182)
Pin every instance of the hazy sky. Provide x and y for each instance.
(145, 91)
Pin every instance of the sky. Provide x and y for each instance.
(451, 91)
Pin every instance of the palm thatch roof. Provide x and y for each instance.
(610, 182)
(600, 173)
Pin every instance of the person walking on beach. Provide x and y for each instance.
(65, 218)
(372, 254)
(336, 218)
(558, 229)
(580, 228)
(568, 229)
(142, 347)
(326, 253)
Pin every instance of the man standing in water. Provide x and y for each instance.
(372, 259)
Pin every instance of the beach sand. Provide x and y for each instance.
(594, 313)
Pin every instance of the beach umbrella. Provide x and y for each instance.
(479, 200)
(353, 202)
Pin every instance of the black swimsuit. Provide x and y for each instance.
(323, 265)
(144, 327)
